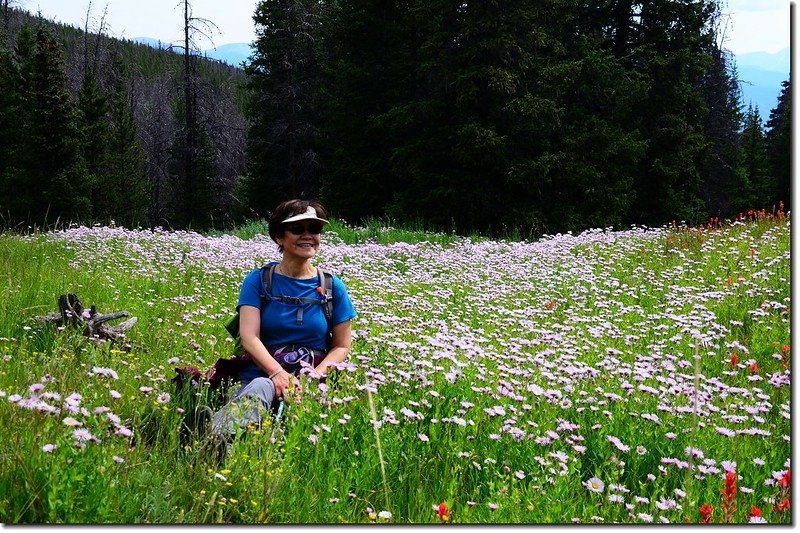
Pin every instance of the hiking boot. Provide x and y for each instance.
(218, 447)
(196, 424)
(202, 420)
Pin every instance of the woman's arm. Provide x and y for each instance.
(340, 347)
(249, 331)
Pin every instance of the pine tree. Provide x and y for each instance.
(779, 147)
(719, 172)
(53, 182)
(593, 144)
(367, 58)
(9, 126)
(283, 72)
(753, 186)
(672, 52)
(94, 126)
(128, 192)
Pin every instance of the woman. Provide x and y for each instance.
(273, 331)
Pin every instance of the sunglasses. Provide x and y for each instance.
(299, 229)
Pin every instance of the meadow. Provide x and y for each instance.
(635, 376)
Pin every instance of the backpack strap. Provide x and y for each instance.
(326, 289)
(266, 281)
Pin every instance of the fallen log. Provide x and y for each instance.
(95, 325)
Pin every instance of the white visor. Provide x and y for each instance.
(310, 214)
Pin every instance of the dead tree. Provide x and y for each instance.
(94, 325)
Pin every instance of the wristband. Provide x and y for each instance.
(276, 373)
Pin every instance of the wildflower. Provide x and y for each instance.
(615, 498)
(734, 360)
(784, 481)
(423, 437)
(443, 512)
(71, 422)
(386, 515)
(618, 443)
(104, 372)
(122, 431)
(118, 459)
(757, 520)
(725, 431)
(519, 474)
(641, 450)
(705, 513)
(493, 506)
(73, 398)
(644, 517)
(115, 395)
(694, 452)
(49, 448)
(666, 504)
(729, 493)
(595, 484)
(754, 511)
(163, 398)
(753, 368)
(333, 500)
(782, 506)
(83, 435)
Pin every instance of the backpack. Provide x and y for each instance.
(325, 298)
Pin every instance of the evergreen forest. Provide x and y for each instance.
(494, 117)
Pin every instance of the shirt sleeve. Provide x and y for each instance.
(343, 309)
(250, 293)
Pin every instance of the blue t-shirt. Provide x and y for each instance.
(279, 325)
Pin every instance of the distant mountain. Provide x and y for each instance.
(778, 61)
(233, 54)
(760, 78)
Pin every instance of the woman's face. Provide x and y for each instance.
(301, 239)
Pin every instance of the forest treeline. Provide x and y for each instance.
(496, 117)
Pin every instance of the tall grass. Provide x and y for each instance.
(374, 230)
(503, 376)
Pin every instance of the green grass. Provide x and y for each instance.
(499, 371)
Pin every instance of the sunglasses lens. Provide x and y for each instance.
(299, 229)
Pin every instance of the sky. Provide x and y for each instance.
(753, 25)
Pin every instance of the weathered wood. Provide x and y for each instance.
(95, 327)
(71, 309)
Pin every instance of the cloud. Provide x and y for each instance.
(757, 5)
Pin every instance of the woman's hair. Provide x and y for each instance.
(291, 208)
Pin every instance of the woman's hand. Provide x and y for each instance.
(285, 384)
